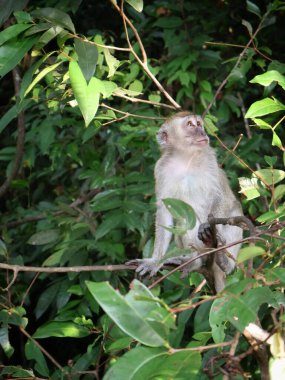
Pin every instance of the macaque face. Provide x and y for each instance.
(183, 131)
(193, 131)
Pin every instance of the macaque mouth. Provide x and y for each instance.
(203, 140)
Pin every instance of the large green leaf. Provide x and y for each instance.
(270, 76)
(239, 309)
(271, 176)
(12, 52)
(264, 107)
(61, 329)
(12, 32)
(87, 96)
(181, 211)
(33, 352)
(55, 16)
(250, 252)
(124, 314)
(144, 363)
(87, 57)
(44, 237)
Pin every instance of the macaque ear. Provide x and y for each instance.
(162, 136)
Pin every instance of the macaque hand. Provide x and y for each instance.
(205, 234)
(147, 266)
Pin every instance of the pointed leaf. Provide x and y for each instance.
(44, 237)
(250, 252)
(87, 57)
(271, 176)
(61, 329)
(12, 52)
(41, 74)
(12, 32)
(270, 76)
(181, 210)
(124, 315)
(136, 4)
(87, 96)
(264, 107)
(55, 16)
(155, 363)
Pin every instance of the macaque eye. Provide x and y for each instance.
(189, 122)
(198, 124)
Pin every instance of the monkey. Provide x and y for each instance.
(188, 170)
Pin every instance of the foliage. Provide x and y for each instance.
(84, 89)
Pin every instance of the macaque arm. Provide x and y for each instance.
(161, 243)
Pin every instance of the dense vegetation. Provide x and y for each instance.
(84, 87)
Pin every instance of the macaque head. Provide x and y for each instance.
(182, 131)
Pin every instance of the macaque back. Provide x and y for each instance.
(188, 170)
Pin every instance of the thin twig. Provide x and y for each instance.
(224, 82)
(43, 350)
(142, 62)
(81, 199)
(132, 114)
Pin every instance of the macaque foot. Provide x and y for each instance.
(225, 263)
(146, 266)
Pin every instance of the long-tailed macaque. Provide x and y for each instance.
(188, 170)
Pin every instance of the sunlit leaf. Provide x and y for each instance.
(33, 352)
(112, 62)
(61, 329)
(87, 96)
(270, 76)
(250, 252)
(41, 75)
(271, 176)
(264, 107)
(136, 4)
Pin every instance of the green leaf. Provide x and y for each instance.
(253, 8)
(136, 4)
(55, 16)
(276, 141)
(124, 314)
(181, 211)
(270, 76)
(109, 224)
(249, 187)
(33, 352)
(264, 107)
(41, 75)
(61, 329)
(279, 192)
(112, 62)
(4, 341)
(87, 57)
(250, 252)
(17, 372)
(50, 34)
(271, 176)
(143, 363)
(44, 237)
(87, 96)
(240, 309)
(12, 52)
(262, 124)
(12, 32)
